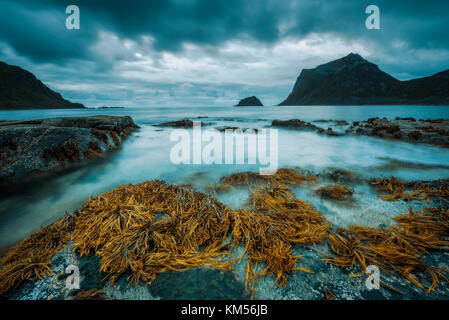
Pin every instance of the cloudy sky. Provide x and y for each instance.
(143, 53)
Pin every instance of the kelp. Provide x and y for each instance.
(155, 227)
(284, 176)
(30, 258)
(327, 294)
(398, 248)
(92, 294)
(335, 192)
(429, 193)
(151, 228)
(145, 229)
(276, 220)
(396, 188)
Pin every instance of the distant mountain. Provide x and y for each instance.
(352, 80)
(20, 89)
(249, 102)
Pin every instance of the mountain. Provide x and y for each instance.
(249, 102)
(353, 80)
(20, 89)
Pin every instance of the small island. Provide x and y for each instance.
(249, 102)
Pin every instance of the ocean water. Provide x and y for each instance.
(146, 156)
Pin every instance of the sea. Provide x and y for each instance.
(145, 155)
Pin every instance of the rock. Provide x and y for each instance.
(294, 124)
(297, 124)
(184, 123)
(33, 148)
(250, 102)
(434, 132)
(20, 89)
(353, 80)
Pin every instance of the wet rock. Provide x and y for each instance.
(184, 123)
(297, 124)
(435, 132)
(34, 148)
(294, 124)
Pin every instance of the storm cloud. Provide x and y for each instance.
(143, 52)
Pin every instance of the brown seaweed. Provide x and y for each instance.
(399, 248)
(30, 258)
(335, 192)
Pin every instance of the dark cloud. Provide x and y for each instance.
(36, 28)
(412, 41)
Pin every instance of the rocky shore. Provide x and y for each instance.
(297, 124)
(34, 148)
(434, 132)
(105, 271)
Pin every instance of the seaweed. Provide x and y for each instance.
(30, 258)
(92, 294)
(335, 192)
(285, 176)
(140, 231)
(153, 227)
(327, 294)
(276, 221)
(396, 189)
(115, 137)
(415, 135)
(68, 150)
(93, 150)
(398, 248)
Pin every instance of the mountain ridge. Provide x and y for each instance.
(352, 80)
(20, 89)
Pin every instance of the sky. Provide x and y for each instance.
(144, 53)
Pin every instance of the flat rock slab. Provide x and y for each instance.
(41, 147)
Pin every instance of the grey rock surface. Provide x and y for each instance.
(34, 148)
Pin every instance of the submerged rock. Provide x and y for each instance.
(33, 148)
